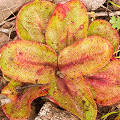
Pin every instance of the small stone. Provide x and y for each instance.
(4, 100)
(50, 112)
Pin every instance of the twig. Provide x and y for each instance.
(20, 89)
(106, 8)
(105, 14)
(2, 23)
(10, 33)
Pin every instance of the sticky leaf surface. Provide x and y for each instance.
(32, 19)
(68, 24)
(105, 84)
(74, 95)
(28, 61)
(10, 90)
(19, 109)
(86, 56)
(104, 29)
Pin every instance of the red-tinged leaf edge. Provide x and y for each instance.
(28, 61)
(104, 29)
(32, 20)
(86, 56)
(105, 84)
(73, 94)
(68, 24)
(10, 91)
(19, 109)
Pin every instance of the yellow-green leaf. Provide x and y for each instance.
(19, 108)
(105, 84)
(68, 24)
(28, 61)
(104, 29)
(32, 20)
(86, 56)
(74, 95)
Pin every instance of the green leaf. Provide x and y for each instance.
(68, 24)
(74, 95)
(115, 23)
(118, 20)
(28, 61)
(113, 20)
(86, 56)
(19, 109)
(104, 29)
(32, 20)
(105, 84)
(118, 23)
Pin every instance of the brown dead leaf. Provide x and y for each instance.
(3, 83)
(9, 25)
(3, 39)
(8, 7)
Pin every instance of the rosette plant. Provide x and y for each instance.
(70, 63)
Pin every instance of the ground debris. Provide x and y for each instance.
(50, 112)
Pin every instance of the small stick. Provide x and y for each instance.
(105, 14)
(106, 8)
(2, 23)
(20, 89)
